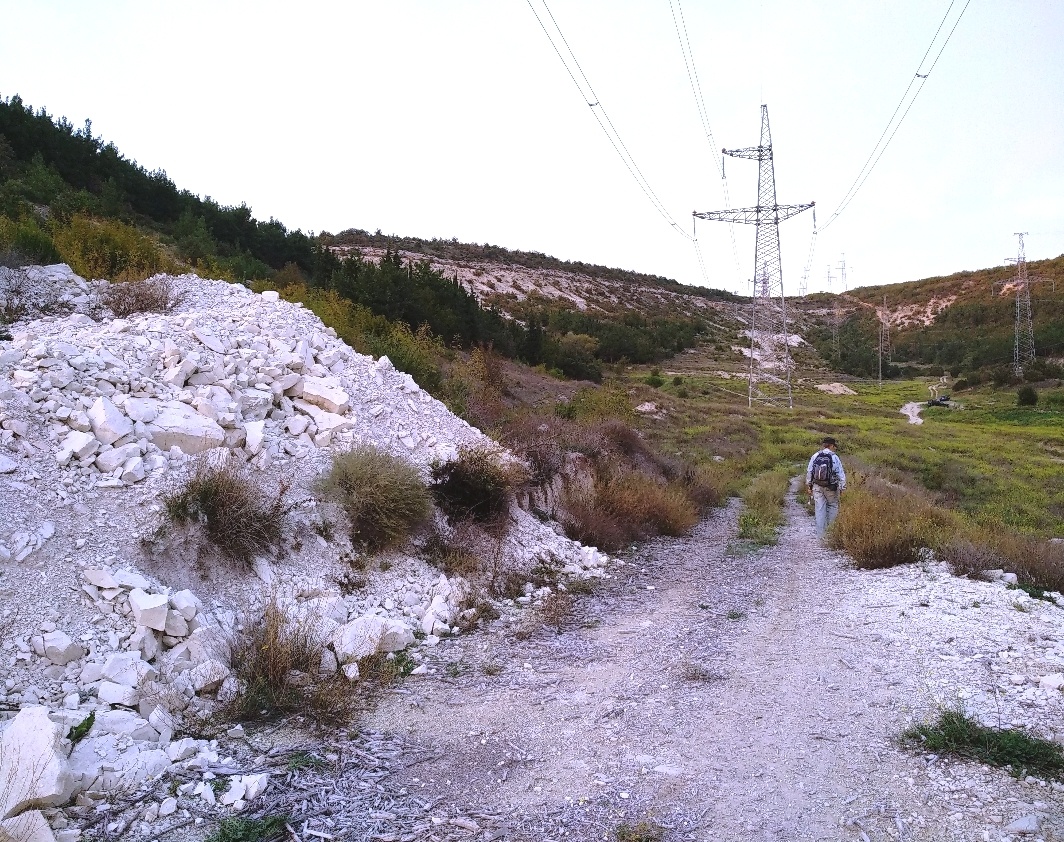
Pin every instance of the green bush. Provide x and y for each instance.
(383, 496)
(1026, 396)
(109, 249)
(237, 516)
(476, 486)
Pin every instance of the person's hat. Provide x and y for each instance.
(829, 442)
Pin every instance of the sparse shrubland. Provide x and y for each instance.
(383, 495)
(238, 517)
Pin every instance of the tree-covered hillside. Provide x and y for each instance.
(68, 195)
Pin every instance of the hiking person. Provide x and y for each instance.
(826, 480)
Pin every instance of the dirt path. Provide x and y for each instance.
(724, 694)
(911, 411)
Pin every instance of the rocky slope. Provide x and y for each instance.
(105, 615)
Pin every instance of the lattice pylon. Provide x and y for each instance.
(1023, 347)
(770, 363)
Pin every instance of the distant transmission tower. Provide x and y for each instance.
(884, 339)
(768, 307)
(1023, 349)
(803, 287)
(842, 275)
(835, 320)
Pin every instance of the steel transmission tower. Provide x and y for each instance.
(1023, 349)
(771, 365)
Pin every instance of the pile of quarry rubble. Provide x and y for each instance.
(107, 646)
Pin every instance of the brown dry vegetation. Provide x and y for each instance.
(153, 295)
(277, 659)
(238, 517)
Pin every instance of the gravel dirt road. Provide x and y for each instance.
(729, 693)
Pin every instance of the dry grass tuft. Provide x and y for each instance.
(153, 295)
(238, 517)
(276, 660)
(383, 496)
(453, 554)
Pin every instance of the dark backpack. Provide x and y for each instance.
(823, 472)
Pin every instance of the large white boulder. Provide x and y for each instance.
(108, 422)
(60, 649)
(127, 669)
(208, 675)
(76, 445)
(179, 425)
(368, 635)
(326, 422)
(116, 457)
(30, 826)
(141, 409)
(33, 772)
(326, 393)
(149, 609)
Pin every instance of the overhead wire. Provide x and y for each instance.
(703, 114)
(881, 147)
(614, 137)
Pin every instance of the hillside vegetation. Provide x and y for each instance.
(961, 323)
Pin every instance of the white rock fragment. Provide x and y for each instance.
(60, 649)
(33, 771)
(108, 422)
(149, 609)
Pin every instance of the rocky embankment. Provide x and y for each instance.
(114, 636)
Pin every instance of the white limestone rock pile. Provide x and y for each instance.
(121, 399)
(35, 291)
(87, 405)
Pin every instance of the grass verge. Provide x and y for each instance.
(1019, 752)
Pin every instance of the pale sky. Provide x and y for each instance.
(455, 118)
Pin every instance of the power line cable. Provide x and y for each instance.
(881, 147)
(703, 114)
(596, 106)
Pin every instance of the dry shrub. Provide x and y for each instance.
(153, 295)
(476, 608)
(540, 442)
(881, 525)
(238, 517)
(476, 486)
(453, 553)
(276, 660)
(628, 506)
(968, 557)
(383, 496)
(1035, 561)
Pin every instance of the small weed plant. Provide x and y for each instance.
(955, 733)
(238, 829)
(644, 831)
(383, 496)
(238, 517)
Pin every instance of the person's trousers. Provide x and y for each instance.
(826, 505)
